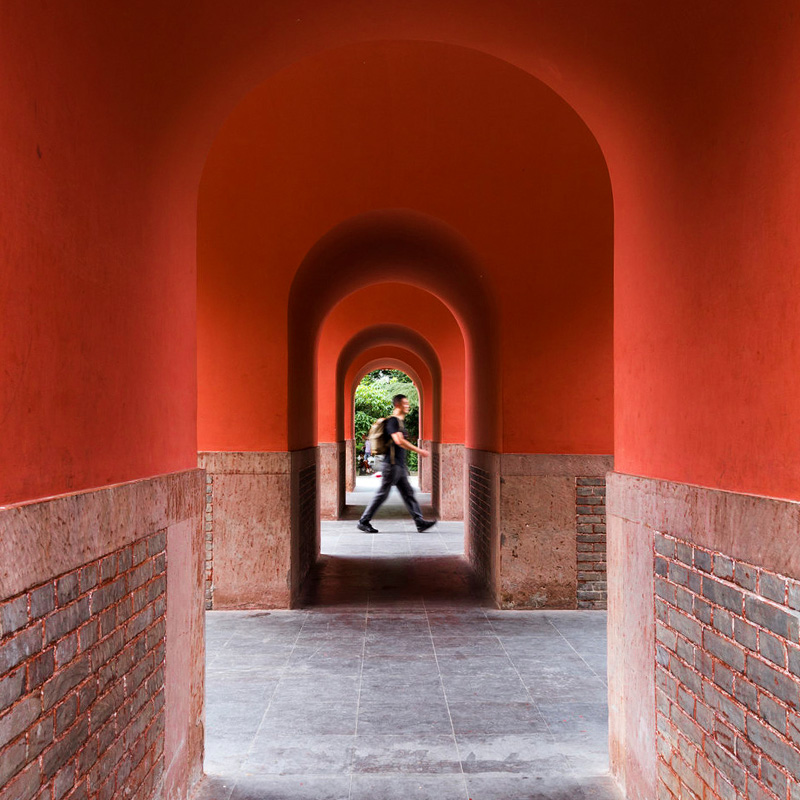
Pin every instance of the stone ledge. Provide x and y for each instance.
(45, 538)
(752, 528)
(555, 465)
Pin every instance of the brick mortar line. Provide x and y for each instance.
(748, 654)
(88, 580)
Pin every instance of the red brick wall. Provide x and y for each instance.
(727, 676)
(82, 680)
(590, 519)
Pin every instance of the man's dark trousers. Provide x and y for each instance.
(394, 475)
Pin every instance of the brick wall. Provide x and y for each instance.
(590, 520)
(727, 677)
(342, 479)
(435, 487)
(208, 529)
(307, 522)
(82, 686)
(480, 522)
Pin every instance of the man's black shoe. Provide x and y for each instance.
(425, 524)
(366, 527)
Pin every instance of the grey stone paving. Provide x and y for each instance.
(404, 684)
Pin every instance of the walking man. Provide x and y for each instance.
(395, 471)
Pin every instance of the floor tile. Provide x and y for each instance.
(279, 753)
(291, 787)
(424, 717)
(408, 787)
(535, 787)
(406, 754)
(494, 717)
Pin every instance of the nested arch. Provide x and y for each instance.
(383, 357)
(394, 245)
(363, 348)
(392, 303)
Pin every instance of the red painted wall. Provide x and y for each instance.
(694, 105)
(97, 290)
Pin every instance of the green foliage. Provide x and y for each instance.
(373, 400)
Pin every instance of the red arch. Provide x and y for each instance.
(401, 304)
(385, 244)
(394, 358)
(362, 347)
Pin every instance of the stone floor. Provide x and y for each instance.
(398, 681)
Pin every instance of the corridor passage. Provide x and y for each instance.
(400, 682)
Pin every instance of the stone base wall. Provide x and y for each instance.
(98, 695)
(539, 518)
(350, 465)
(263, 526)
(331, 469)
(425, 480)
(451, 481)
(704, 656)
(727, 675)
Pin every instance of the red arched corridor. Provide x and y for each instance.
(574, 224)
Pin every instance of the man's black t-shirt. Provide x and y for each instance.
(393, 425)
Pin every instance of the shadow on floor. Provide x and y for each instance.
(362, 580)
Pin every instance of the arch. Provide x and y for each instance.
(400, 338)
(393, 358)
(386, 244)
(418, 310)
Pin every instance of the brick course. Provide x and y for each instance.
(480, 521)
(590, 521)
(82, 680)
(727, 699)
(208, 528)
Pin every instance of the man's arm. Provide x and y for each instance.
(401, 441)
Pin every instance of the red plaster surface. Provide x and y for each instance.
(123, 192)
(447, 114)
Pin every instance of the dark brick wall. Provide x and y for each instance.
(480, 522)
(308, 518)
(436, 459)
(342, 478)
(208, 527)
(590, 520)
(727, 677)
(82, 680)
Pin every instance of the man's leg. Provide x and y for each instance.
(387, 481)
(407, 493)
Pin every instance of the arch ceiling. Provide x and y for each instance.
(404, 167)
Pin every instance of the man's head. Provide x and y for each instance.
(401, 404)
